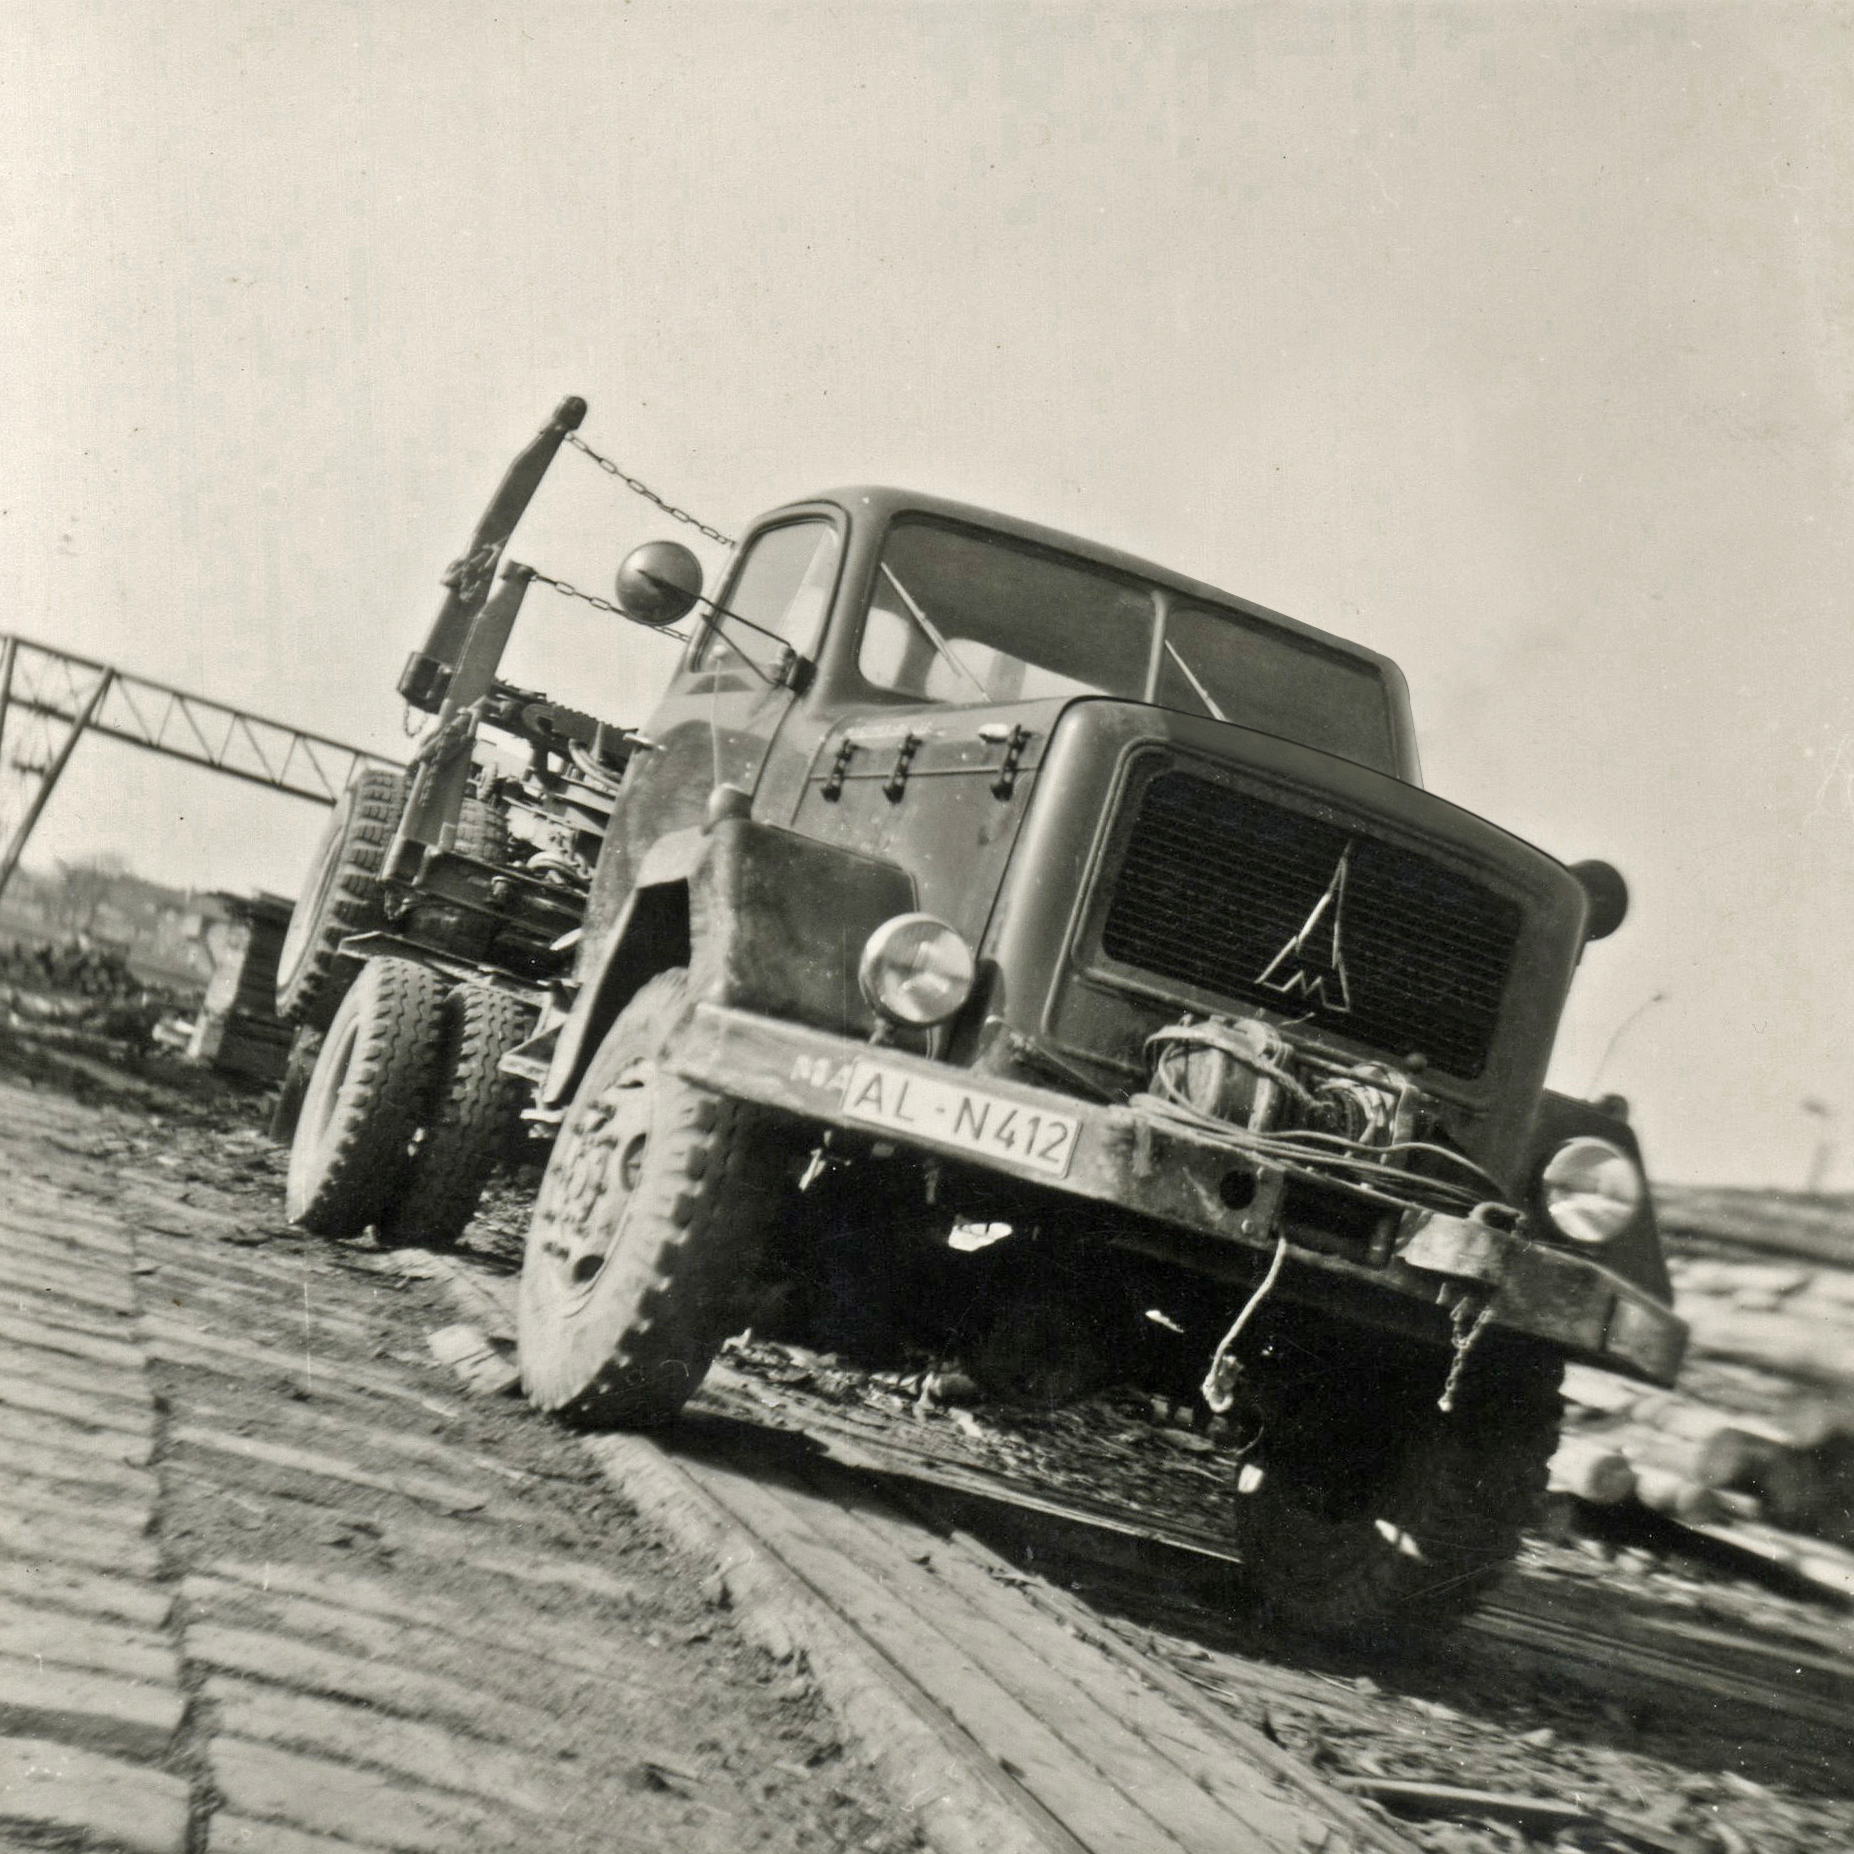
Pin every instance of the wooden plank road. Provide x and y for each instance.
(1024, 1721)
(270, 1584)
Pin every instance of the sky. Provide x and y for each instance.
(1512, 341)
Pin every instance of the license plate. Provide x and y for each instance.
(881, 1095)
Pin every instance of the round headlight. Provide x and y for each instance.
(1592, 1188)
(916, 970)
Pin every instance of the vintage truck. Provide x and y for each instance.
(971, 876)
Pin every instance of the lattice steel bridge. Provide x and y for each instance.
(49, 699)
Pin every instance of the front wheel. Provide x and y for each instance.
(1378, 1511)
(650, 1217)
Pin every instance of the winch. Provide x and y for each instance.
(1367, 1124)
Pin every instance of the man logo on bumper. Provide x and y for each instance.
(1312, 964)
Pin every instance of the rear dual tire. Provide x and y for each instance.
(471, 1118)
(366, 1098)
(406, 1112)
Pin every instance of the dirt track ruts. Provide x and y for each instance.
(268, 1583)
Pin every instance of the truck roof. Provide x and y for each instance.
(882, 501)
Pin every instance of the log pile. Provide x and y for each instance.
(75, 995)
(1759, 1434)
(1802, 1226)
(1701, 1463)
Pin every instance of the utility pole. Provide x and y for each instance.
(1823, 1115)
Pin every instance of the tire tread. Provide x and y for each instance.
(694, 1227)
(1468, 1488)
(339, 1183)
(346, 902)
(473, 1111)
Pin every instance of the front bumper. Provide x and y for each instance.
(1163, 1172)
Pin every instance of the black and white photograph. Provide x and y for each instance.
(925, 927)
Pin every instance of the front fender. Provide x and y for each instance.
(764, 918)
(1635, 1252)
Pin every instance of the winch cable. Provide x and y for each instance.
(1219, 1386)
(1213, 1035)
(1355, 1162)
(1340, 1156)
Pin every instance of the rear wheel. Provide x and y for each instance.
(305, 1046)
(469, 1122)
(342, 896)
(482, 832)
(1378, 1510)
(650, 1218)
(366, 1098)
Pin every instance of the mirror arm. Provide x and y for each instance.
(721, 611)
(711, 623)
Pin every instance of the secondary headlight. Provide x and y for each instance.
(1592, 1188)
(916, 970)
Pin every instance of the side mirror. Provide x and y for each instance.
(659, 583)
(1608, 896)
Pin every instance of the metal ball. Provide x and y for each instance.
(658, 582)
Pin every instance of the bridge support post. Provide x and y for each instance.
(9, 861)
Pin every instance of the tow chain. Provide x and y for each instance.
(650, 495)
(1463, 1337)
(597, 603)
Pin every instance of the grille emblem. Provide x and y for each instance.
(1312, 964)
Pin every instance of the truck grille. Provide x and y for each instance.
(1215, 885)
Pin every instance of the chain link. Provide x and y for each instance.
(650, 495)
(1463, 1337)
(599, 604)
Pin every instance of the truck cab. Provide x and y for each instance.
(1026, 953)
(1019, 879)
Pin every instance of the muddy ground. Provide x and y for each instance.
(334, 1510)
(1683, 1768)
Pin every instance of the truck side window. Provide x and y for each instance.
(784, 586)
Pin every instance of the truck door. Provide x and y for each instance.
(717, 720)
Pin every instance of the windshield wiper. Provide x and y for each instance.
(1190, 676)
(931, 632)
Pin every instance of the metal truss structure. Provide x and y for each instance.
(50, 699)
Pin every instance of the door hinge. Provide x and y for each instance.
(897, 781)
(839, 770)
(1006, 782)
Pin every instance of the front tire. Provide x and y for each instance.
(1412, 1540)
(366, 1098)
(650, 1217)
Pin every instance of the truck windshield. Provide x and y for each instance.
(961, 615)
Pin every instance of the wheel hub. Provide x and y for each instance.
(608, 1166)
